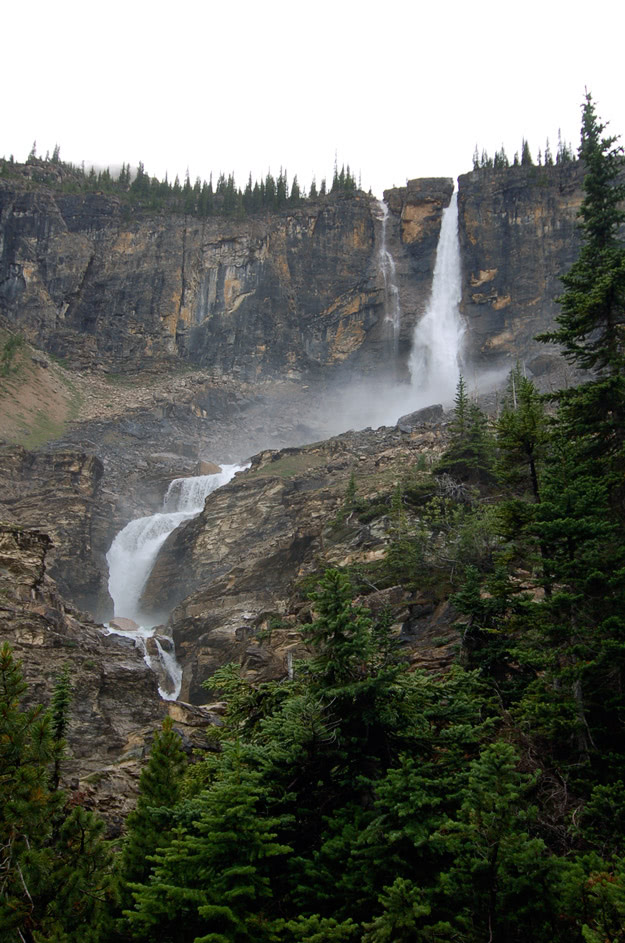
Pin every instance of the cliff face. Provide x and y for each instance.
(294, 294)
(59, 493)
(115, 705)
(518, 235)
(286, 293)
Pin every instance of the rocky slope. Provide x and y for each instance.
(234, 570)
(211, 340)
(115, 706)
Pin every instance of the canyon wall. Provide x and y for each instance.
(299, 291)
(296, 293)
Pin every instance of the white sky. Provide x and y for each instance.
(396, 89)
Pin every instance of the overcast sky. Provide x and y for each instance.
(395, 89)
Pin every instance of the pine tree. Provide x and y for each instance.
(591, 325)
(470, 453)
(26, 806)
(521, 434)
(150, 825)
(54, 866)
(526, 157)
(490, 890)
(59, 707)
(212, 884)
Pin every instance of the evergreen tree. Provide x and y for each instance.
(490, 890)
(470, 453)
(54, 866)
(149, 825)
(521, 434)
(213, 882)
(26, 806)
(526, 157)
(591, 325)
(61, 700)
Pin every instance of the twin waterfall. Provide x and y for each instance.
(131, 558)
(434, 370)
(435, 357)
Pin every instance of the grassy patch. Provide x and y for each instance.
(289, 465)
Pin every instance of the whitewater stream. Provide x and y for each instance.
(131, 557)
(435, 356)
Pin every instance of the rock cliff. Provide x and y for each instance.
(234, 336)
(518, 235)
(59, 493)
(287, 293)
(297, 293)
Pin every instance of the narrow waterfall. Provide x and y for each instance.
(386, 265)
(131, 558)
(435, 356)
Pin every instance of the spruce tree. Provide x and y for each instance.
(591, 324)
(54, 865)
(521, 435)
(149, 826)
(212, 884)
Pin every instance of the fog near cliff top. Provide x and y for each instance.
(398, 91)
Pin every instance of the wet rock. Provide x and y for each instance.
(124, 625)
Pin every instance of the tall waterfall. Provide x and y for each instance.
(132, 556)
(435, 357)
(386, 264)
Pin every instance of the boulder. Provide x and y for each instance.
(428, 414)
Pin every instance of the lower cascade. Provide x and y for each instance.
(131, 558)
(435, 356)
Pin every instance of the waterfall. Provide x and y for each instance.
(386, 265)
(435, 357)
(132, 556)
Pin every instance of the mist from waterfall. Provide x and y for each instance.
(132, 555)
(435, 357)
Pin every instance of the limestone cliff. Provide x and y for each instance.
(286, 293)
(518, 235)
(59, 493)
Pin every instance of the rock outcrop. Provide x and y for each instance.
(232, 570)
(518, 235)
(59, 493)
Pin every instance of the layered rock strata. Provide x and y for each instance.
(519, 234)
(115, 706)
(232, 571)
(285, 293)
